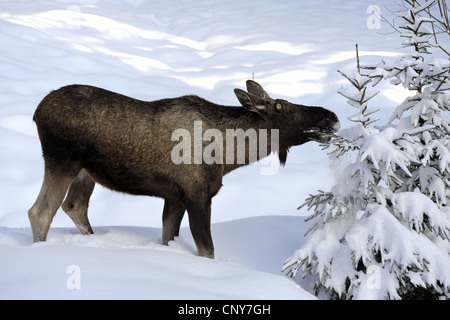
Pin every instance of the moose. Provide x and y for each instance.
(90, 135)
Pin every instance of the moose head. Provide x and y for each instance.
(297, 123)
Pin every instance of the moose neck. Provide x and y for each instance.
(240, 118)
(247, 137)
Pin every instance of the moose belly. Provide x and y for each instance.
(127, 176)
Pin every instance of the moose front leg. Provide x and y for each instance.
(200, 225)
(171, 219)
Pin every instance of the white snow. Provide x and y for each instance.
(157, 49)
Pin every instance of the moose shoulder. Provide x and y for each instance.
(157, 148)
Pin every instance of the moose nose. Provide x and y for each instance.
(337, 126)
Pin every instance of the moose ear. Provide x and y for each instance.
(255, 89)
(243, 98)
(249, 102)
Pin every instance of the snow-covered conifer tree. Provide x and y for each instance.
(383, 230)
(423, 114)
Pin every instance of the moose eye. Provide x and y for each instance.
(279, 106)
(290, 113)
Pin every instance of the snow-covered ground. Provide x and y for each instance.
(157, 49)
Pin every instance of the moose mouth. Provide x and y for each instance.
(323, 134)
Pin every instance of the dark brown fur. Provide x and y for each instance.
(92, 135)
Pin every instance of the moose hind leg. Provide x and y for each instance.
(50, 197)
(77, 201)
(172, 215)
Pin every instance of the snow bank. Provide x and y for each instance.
(130, 263)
